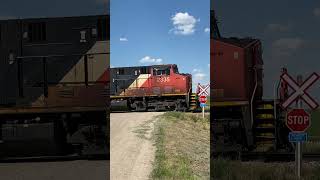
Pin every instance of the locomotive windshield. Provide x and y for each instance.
(175, 70)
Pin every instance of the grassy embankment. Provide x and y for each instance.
(236, 170)
(182, 146)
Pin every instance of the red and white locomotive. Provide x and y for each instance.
(156, 87)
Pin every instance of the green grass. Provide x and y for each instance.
(313, 144)
(182, 146)
(235, 170)
(315, 124)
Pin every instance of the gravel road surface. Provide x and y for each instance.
(132, 151)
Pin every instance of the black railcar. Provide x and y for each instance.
(55, 85)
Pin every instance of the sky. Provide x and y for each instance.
(146, 32)
(49, 8)
(289, 31)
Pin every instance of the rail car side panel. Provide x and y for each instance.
(69, 79)
(232, 71)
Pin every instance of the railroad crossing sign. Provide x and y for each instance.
(203, 99)
(203, 90)
(298, 120)
(300, 90)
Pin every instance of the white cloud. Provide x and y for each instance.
(316, 12)
(184, 24)
(278, 27)
(123, 39)
(207, 30)
(199, 76)
(286, 46)
(196, 70)
(288, 43)
(150, 60)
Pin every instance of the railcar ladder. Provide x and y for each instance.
(265, 126)
(193, 103)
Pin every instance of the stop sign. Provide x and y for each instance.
(298, 120)
(203, 99)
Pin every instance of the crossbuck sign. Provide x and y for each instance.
(203, 90)
(300, 90)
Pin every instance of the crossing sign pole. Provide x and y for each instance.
(203, 96)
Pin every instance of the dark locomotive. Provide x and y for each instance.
(154, 88)
(55, 86)
(241, 120)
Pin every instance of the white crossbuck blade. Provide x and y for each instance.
(300, 91)
(203, 90)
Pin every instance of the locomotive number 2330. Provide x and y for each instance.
(163, 79)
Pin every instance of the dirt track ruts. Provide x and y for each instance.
(132, 150)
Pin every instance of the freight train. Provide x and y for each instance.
(241, 120)
(152, 88)
(55, 86)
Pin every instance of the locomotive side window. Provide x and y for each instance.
(159, 72)
(37, 32)
(144, 70)
(120, 72)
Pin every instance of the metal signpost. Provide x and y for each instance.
(203, 96)
(298, 120)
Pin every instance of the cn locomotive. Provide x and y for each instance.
(151, 88)
(242, 120)
(55, 86)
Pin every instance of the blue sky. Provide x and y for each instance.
(145, 32)
(289, 31)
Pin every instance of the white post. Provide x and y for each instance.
(202, 112)
(299, 148)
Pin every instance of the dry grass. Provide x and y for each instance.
(183, 146)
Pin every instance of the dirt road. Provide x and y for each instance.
(80, 170)
(132, 150)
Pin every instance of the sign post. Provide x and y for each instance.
(298, 120)
(203, 96)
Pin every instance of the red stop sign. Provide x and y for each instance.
(203, 99)
(298, 120)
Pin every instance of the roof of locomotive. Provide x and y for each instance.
(158, 65)
(48, 18)
(240, 42)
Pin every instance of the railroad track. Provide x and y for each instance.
(71, 157)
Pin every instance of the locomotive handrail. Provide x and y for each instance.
(253, 94)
